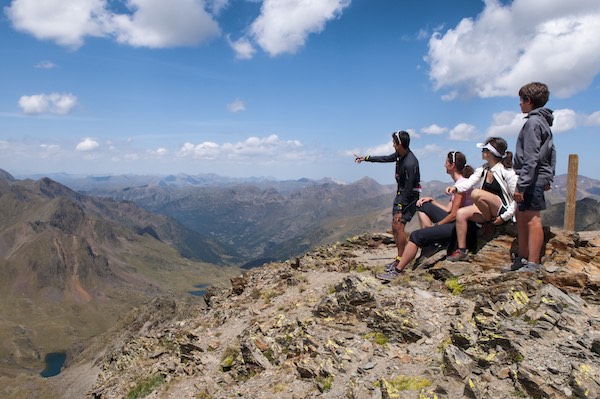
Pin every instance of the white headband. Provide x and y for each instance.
(488, 146)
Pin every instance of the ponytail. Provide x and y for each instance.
(507, 161)
(467, 171)
(460, 160)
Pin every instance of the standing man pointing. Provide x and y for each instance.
(408, 178)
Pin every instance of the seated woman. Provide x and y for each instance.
(493, 200)
(436, 220)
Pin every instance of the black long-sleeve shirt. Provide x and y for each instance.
(408, 176)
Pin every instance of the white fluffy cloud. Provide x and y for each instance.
(434, 129)
(65, 21)
(593, 119)
(463, 132)
(243, 48)
(509, 124)
(429, 150)
(149, 23)
(158, 153)
(506, 124)
(565, 120)
(54, 103)
(284, 25)
(263, 151)
(87, 145)
(506, 46)
(158, 23)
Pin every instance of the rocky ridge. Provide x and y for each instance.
(323, 326)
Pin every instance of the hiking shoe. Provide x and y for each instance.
(517, 264)
(392, 265)
(390, 275)
(458, 255)
(531, 267)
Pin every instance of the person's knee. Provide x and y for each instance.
(535, 222)
(477, 194)
(530, 217)
(462, 215)
(416, 238)
(397, 226)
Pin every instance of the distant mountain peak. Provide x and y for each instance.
(4, 175)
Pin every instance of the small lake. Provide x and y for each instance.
(200, 291)
(54, 362)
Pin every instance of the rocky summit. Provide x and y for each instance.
(322, 326)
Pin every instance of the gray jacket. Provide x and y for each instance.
(535, 157)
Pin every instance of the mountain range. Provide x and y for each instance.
(71, 264)
(74, 258)
(262, 220)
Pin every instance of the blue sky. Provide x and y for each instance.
(287, 88)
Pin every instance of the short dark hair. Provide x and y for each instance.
(537, 92)
(401, 137)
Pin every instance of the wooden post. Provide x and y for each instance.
(571, 192)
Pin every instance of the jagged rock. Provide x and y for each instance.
(585, 381)
(595, 347)
(463, 335)
(251, 354)
(351, 295)
(532, 383)
(337, 332)
(238, 284)
(457, 363)
(475, 389)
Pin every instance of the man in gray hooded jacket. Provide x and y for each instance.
(534, 162)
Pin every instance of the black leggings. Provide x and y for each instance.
(439, 234)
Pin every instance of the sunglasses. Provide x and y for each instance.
(397, 136)
(453, 157)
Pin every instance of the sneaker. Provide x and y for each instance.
(390, 275)
(458, 255)
(531, 267)
(517, 263)
(392, 265)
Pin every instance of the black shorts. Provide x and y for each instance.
(433, 212)
(438, 234)
(533, 199)
(407, 211)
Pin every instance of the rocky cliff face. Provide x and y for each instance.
(71, 265)
(323, 326)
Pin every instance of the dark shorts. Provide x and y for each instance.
(407, 211)
(438, 234)
(435, 213)
(533, 199)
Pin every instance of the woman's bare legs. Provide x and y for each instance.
(487, 203)
(424, 220)
(463, 215)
